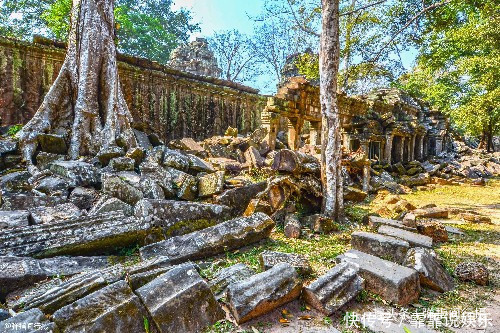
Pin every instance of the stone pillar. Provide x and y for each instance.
(402, 149)
(270, 121)
(411, 153)
(346, 141)
(421, 148)
(294, 130)
(439, 145)
(315, 133)
(388, 147)
(366, 176)
(365, 145)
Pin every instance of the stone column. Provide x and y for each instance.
(365, 145)
(388, 147)
(315, 133)
(411, 155)
(401, 151)
(439, 145)
(366, 176)
(294, 130)
(270, 121)
(421, 148)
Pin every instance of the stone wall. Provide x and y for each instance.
(170, 102)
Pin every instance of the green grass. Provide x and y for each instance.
(14, 129)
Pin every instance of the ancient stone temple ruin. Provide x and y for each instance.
(388, 125)
(195, 58)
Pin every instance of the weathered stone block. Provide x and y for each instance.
(375, 222)
(18, 272)
(386, 247)
(116, 187)
(335, 289)
(292, 226)
(76, 172)
(114, 308)
(197, 164)
(28, 202)
(434, 229)
(176, 160)
(269, 259)
(185, 185)
(239, 198)
(180, 217)
(106, 155)
(32, 321)
(210, 184)
(433, 212)
(83, 197)
(228, 275)
(52, 143)
(393, 282)
(262, 293)
(353, 194)
(214, 240)
(180, 301)
(84, 235)
(432, 273)
(122, 164)
(47, 215)
(14, 219)
(15, 182)
(52, 185)
(411, 237)
(319, 223)
(111, 205)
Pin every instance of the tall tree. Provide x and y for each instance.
(331, 170)
(235, 55)
(458, 66)
(85, 103)
(148, 28)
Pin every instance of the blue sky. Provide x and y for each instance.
(216, 15)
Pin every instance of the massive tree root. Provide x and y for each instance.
(85, 103)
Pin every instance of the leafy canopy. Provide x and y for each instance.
(148, 28)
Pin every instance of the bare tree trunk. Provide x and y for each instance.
(331, 170)
(85, 103)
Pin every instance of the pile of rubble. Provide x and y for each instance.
(180, 203)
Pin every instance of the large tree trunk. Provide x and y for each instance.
(331, 173)
(85, 103)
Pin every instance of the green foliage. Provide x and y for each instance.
(308, 65)
(147, 28)
(146, 325)
(14, 129)
(222, 326)
(457, 70)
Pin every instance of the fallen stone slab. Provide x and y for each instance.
(268, 259)
(375, 222)
(433, 212)
(454, 231)
(180, 217)
(184, 184)
(472, 271)
(432, 273)
(77, 173)
(180, 301)
(409, 220)
(52, 185)
(229, 275)
(114, 308)
(52, 143)
(214, 240)
(47, 215)
(18, 272)
(386, 247)
(122, 163)
(109, 205)
(197, 164)
(393, 282)
(332, 291)
(434, 229)
(474, 218)
(15, 182)
(413, 238)
(83, 197)
(14, 219)
(117, 187)
(84, 235)
(4, 314)
(32, 321)
(261, 293)
(28, 202)
(354, 194)
(56, 293)
(174, 159)
(239, 198)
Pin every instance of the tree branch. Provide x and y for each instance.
(413, 19)
(301, 26)
(363, 8)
